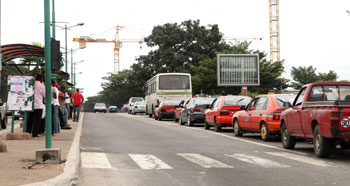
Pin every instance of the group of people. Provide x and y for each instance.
(64, 107)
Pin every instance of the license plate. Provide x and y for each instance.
(171, 109)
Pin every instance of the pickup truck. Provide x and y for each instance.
(321, 113)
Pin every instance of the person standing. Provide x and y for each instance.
(39, 96)
(55, 105)
(63, 110)
(66, 94)
(78, 100)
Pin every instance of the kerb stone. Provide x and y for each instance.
(48, 156)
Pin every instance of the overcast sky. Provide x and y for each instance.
(313, 32)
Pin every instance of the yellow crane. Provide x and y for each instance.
(274, 30)
(117, 45)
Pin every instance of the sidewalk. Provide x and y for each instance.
(17, 165)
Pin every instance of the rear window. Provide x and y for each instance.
(203, 101)
(283, 99)
(140, 103)
(236, 100)
(100, 105)
(133, 100)
(171, 103)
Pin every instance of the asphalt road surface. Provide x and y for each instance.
(122, 149)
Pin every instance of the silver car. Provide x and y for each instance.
(138, 107)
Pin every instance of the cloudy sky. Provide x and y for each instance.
(313, 32)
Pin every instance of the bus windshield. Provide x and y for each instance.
(174, 82)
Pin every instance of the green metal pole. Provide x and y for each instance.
(13, 122)
(71, 66)
(74, 77)
(65, 29)
(25, 121)
(48, 118)
(53, 20)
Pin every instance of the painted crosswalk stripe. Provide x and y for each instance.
(148, 161)
(94, 160)
(304, 159)
(257, 161)
(203, 161)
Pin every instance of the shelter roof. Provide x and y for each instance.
(13, 51)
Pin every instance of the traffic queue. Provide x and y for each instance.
(319, 113)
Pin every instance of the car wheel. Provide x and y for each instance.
(159, 117)
(4, 123)
(217, 127)
(288, 141)
(189, 122)
(345, 145)
(180, 121)
(236, 129)
(206, 125)
(264, 132)
(322, 145)
(175, 119)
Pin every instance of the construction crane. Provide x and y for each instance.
(274, 31)
(117, 45)
(241, 38)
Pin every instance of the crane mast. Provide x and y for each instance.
(274, 31)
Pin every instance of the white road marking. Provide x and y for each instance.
(148, 161)
(94, 160)
(203, 161)
(304, 159)
(140, 118)
(257, 161)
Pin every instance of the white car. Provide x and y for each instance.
(138, 107)
(131, 102)
(100, 107)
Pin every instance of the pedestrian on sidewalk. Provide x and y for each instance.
(78, 100)
(55, 104)
(66, 94)
(62, 109)
(39, 96)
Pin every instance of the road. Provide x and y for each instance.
(122, 149)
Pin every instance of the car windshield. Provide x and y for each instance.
(171, 103)
(140, 103)
(283, 99)
(204, 101)
(133, 100)
(236, 100)
(100, 105)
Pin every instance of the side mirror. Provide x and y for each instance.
(287, 104)
(242, 107)
(252, 108)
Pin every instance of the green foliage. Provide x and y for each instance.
(304, 75)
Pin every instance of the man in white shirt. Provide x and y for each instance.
(55, 105)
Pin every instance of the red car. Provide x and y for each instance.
(222, 109)
(262, 115)
(179, 108)
(165, 109)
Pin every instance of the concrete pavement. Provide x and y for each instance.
(18, 167)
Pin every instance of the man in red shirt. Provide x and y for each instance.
(78, 100)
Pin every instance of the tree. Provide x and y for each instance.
(303, 75)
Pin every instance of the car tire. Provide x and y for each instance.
(4, 123)
(344, 145)
(322, 145)
(175, 119)
(287, 140)
(189, 122)
(206, 125)
(217, 128)
(264, 132)
(236, 129)
(180, 121)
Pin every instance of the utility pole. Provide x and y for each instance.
(53, 20)
(48, 108)
(274, 31)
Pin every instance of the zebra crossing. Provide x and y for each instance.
(100, 160)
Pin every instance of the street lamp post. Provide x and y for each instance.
(67, 28)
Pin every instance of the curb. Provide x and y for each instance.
(69, 177)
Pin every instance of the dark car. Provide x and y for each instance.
(194, 110)
(112, 109)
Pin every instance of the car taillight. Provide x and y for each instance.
(196, 110)
(334, 119)
(224, 112)
(276, 116)
(163, 110)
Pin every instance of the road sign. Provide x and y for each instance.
(238, 70)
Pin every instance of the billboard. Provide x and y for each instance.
(238, 70)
